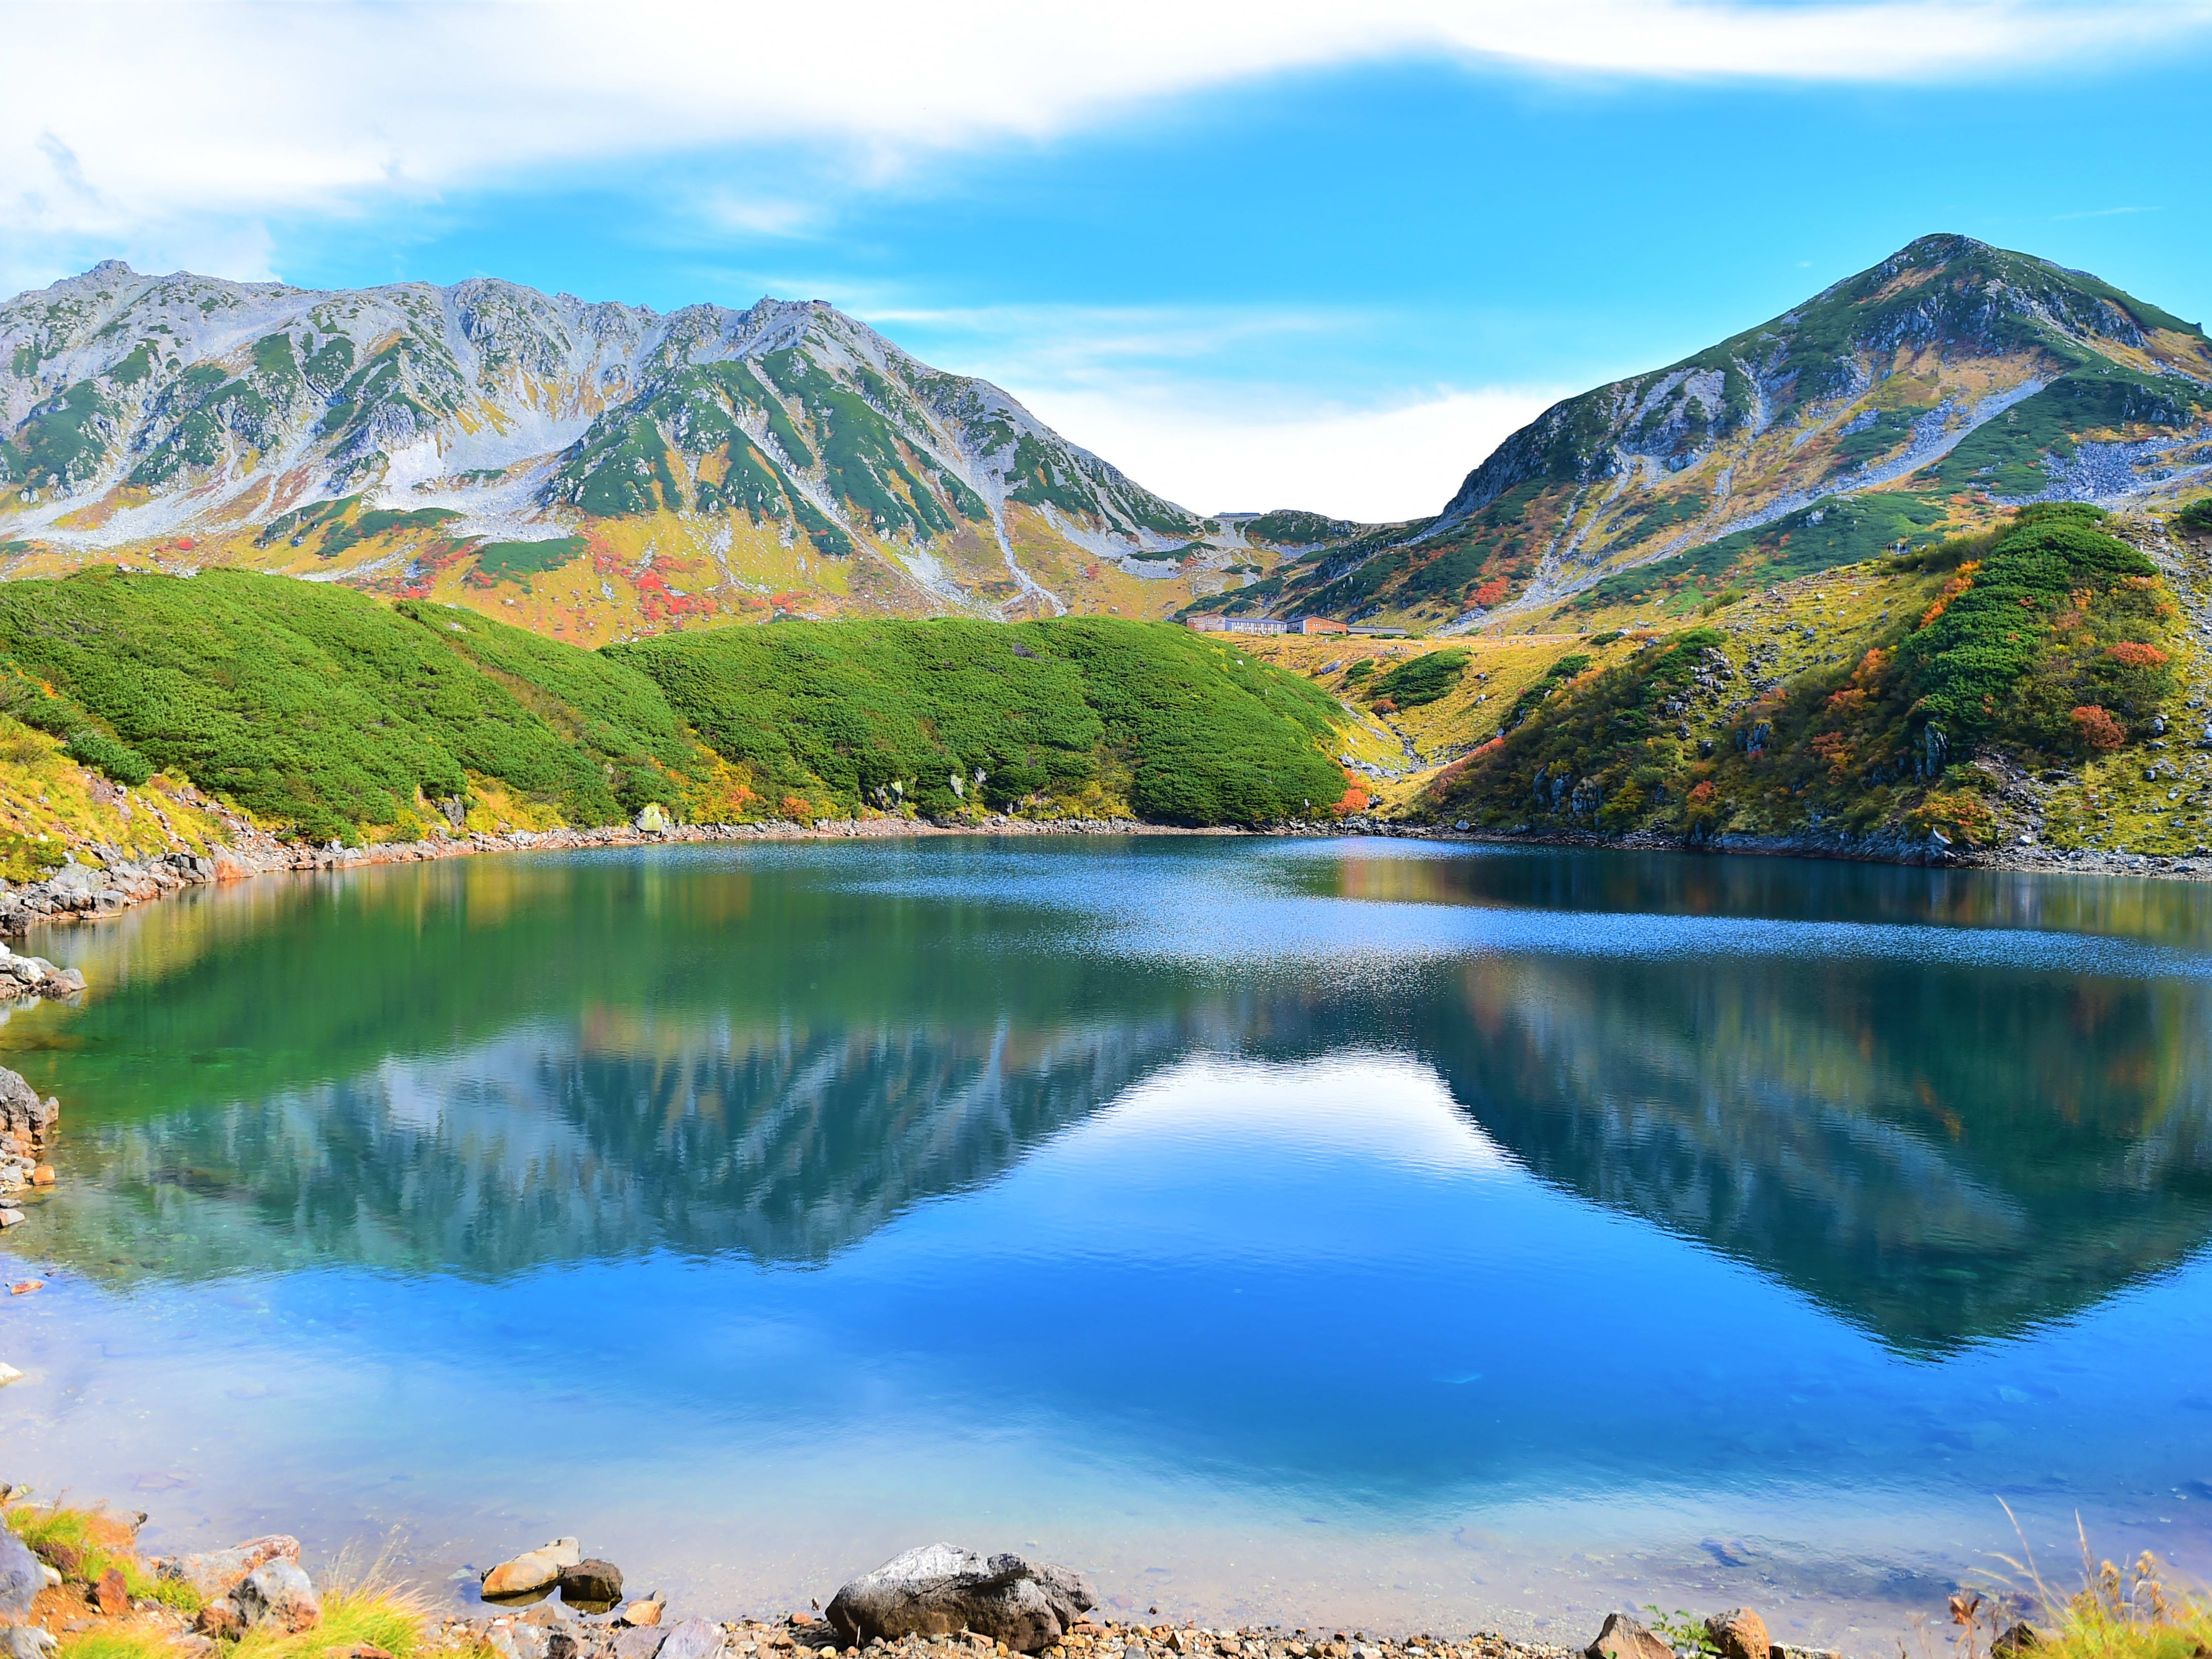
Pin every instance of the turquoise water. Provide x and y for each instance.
(1356, 1232)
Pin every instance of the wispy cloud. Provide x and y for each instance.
(2103, 213)
(242, 109)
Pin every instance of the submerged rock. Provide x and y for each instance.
(533, 1570)
(940, 1589)
(1622, 1637)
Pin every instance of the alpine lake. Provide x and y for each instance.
(1358, 1232)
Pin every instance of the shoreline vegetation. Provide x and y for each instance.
(74, 1586)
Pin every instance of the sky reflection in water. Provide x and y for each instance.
(1346, 1232)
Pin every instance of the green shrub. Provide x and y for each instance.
(104, 755)
(1422, 680)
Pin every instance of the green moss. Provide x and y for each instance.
(836, 714)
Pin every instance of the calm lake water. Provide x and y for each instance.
(1351, 1232)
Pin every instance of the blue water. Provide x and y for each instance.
(1353, 1232)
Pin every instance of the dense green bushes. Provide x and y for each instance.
(306, 704)
(1422, 680)
(316, 708)
(845, 715)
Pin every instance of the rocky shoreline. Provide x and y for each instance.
(81, 892)
(937, 1602)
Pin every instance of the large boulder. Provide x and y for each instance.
(940, 1590)
(215, 1573)
(21, 1579)
(1622, 1637)
(533, 1570)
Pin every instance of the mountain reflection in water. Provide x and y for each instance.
(490, 1066)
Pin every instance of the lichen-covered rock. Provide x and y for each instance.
(215, 1573)
(940, 1589)
(277, 1593)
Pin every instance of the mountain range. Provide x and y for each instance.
(600, 470)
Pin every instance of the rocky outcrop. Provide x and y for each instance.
(21, 1577)
(940, 1589)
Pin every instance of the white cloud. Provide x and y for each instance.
(1376, 465)
(137, 117)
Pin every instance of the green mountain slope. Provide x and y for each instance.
(1949, 381)
(2021, 680)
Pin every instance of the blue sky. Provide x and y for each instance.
(1324, 262)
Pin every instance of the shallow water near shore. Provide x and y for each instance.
(1378, 1233)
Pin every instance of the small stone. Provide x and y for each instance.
(643, 1613)
(42, 1176)
(110, 1595)
(641, 1642)
(10, 1218)
(278, 1593)
(215, 1573)
(25, 1287)
(2017, 1640)
(1740, 1633)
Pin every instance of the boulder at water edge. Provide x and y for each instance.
(940, 1590)
(533, 1570)
(20, 1577)
(593, 1581)
(1622, 1637)
(1740, 1633)
(279, 1594)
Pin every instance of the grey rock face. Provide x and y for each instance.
(22, 1112)
(939, 1589)
(693, 1638)
(21, 1580)
(25, 1642)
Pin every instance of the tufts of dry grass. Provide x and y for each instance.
(2117, 1613)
